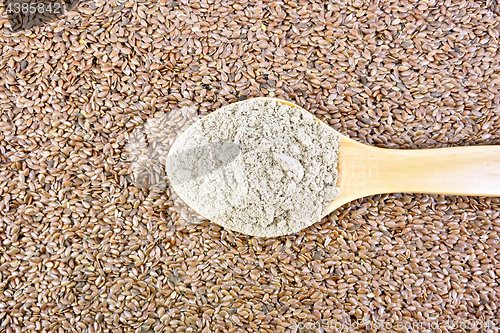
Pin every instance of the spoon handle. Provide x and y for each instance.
(457, 170)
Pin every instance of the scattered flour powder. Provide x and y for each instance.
(258, 167)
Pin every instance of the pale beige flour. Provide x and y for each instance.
(258, 167)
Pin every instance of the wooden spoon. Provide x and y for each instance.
(365, 170)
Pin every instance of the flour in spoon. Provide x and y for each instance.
(258, 167)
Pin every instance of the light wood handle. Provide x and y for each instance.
(456, 170)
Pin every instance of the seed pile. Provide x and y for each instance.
(82, 248)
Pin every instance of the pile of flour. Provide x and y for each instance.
(258, 167)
